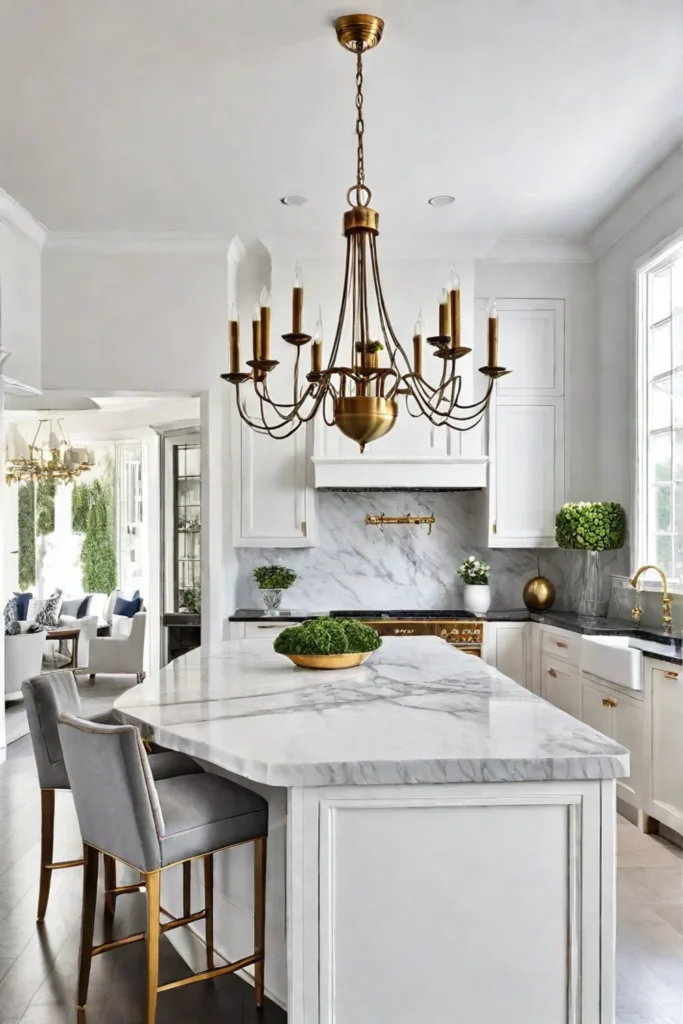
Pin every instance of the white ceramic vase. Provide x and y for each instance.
(477, 598)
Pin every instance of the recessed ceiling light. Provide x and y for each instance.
(293, 200)
(441, 200)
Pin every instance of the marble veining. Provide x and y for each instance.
(356, 566)
(418, 711)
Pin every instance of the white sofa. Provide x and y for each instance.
(23, 660)
(119, 655)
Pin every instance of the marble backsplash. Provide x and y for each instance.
(358, 566)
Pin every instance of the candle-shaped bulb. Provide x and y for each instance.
(298, 276)
(319, 326)
(453, 279)
(493, 309)
(256, 313)
(419, 328)
(264, 298)
(444, 295)
(232, 312)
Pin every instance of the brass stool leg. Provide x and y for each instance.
(187, 888)
(208, 906)
(91, 860)
(47, 835)
(260, 850)
(153, 885)
(109, 883)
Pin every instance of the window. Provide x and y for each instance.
(660, 414)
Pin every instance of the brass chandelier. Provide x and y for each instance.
(360, 395)
(49, 456)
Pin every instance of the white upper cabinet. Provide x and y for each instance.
(273, 506)
(526, 423)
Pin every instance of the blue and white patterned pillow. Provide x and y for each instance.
(11, 613)
(47, 612)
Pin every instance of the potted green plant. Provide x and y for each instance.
(476, 594)
(272, 580)
(328, 643)
(591, 527)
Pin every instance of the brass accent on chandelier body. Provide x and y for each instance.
(452, 353)
(296, 339)
(355, 29)
(360, 218)
(494, 372)
(365, 418)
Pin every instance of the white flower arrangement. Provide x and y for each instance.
(474, 571)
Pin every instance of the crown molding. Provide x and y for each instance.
(328, 245)
(115, 242)
(663, 182)
(19, 219)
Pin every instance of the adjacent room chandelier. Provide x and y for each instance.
(49, 456)
(359, 393)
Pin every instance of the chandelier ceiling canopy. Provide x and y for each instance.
(360, 392)
(49, 456)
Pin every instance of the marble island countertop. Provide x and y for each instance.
(418, 711)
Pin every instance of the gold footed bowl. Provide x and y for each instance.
(329, 660)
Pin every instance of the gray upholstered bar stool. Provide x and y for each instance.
(152, 826)
(45, 698)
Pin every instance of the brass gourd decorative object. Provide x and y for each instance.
(539, 593)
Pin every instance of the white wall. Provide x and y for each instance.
(133, 321)
(575, 283)
(20, 306)
(640, 227)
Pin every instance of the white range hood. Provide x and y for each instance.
(368, 472)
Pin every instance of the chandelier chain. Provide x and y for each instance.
(360, 123)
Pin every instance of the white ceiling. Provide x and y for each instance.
(196, 115)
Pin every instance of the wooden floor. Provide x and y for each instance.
(38, 964)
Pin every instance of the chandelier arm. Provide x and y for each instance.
(342, 309)
(427, 404)
(263, 428)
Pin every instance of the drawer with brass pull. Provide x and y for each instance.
(671, 675)
(607, 702)
(563, 647)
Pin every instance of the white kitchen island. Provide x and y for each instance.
(442, 842)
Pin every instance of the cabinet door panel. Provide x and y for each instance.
(275, 505)
(527, 471)
(510, 651)
(560, 685)
(667, 747)
(593, 710)
(627, 729)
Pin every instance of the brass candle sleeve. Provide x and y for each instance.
(317, 357)
(455, 317)
(444, 329)
(265, 332)
(234, 346)
(297, 309)
(256, 338)
(417, 354)
(493, 341)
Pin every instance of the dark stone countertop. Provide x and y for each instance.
(285, 615)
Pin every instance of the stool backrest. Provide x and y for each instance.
(116, 800)
(45, 697)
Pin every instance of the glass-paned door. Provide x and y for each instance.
(187, 526)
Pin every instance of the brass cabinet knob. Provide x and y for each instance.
(561, 643)
(671, 675)
(552, 672)
(607, 702)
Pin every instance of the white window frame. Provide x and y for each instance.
(640, 550)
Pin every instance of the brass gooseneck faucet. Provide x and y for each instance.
(666, 600)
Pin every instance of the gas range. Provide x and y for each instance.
(459, 628)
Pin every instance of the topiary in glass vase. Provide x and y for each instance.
(591, 527)
(272, 580)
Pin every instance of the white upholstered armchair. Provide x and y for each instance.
(120, 655)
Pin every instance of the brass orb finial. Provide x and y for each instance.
(354, 30)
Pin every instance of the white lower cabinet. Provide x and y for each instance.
(620, 716)
(560, 684)
(664, 739)
(257, 630)
(507, 649)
